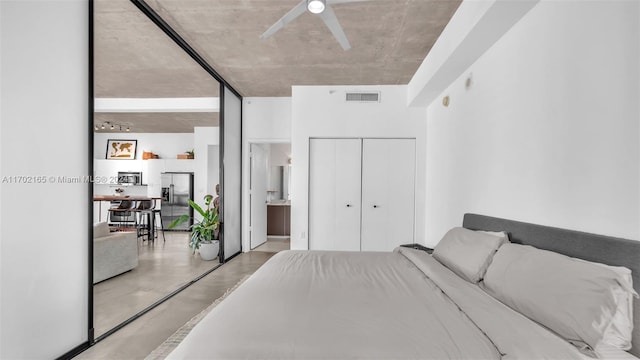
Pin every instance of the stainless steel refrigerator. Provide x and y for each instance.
(177, 189)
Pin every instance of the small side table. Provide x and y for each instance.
(418, 247)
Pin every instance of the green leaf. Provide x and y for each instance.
(207, 199)
(182, 219)
(204, 230)
(197, 208)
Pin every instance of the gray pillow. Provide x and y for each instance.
(588, 304)
(467, 253)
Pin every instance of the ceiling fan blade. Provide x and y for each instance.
(287, 18)
(333, 2)
(330, 19)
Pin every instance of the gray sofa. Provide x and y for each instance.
(113, 253)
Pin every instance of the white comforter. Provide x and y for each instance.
(338, 305)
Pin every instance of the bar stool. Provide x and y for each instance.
(143, 212)
(121, 213)
(148, 213)
(157, 213)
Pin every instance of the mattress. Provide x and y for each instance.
(359, 305)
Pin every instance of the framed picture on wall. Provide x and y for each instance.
(118, 149)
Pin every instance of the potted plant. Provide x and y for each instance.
(187, 155)
(203, 232)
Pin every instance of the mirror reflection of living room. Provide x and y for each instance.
(150, 159)
(137, 259)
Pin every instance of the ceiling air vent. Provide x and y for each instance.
(363, 97)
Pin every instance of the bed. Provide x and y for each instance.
(407, 304)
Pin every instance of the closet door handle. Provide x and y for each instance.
(349, 205)
(375, 206)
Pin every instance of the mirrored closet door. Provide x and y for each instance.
(151, 158)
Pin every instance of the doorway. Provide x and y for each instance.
(269, 196)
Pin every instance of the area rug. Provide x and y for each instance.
(162, 351)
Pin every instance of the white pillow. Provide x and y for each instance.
(468, 253)
(586, 303)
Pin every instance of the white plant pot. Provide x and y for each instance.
(209, 251)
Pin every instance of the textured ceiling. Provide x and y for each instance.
(157, 122)
(389, 39)
(133, 58)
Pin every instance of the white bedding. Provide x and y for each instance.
(337, 305)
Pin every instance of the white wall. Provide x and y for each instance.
(1, 174)
(44, 127)
(475, 26)
(549, 131)
(264, 120)
(165, 145)
(213, 169)
(280, 154)
(267, 119)
(207, 159)
(321, 111)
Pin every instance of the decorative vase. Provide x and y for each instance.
(209, 250)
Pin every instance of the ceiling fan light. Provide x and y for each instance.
(316, 6)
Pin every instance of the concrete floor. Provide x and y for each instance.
(275, 244)
(162, 268)
(141, 337)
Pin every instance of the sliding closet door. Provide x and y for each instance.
(334, 194)
(388, 193)
(232, 174)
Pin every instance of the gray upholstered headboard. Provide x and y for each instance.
(598, 248)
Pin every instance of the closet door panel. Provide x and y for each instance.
(334, 194)
(388, 193)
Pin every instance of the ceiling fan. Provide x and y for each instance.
(323, 9)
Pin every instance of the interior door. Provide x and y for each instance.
(388, 193)
(258, 195)
(334, 194)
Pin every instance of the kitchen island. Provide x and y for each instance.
(136, 199)
(150, 228)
